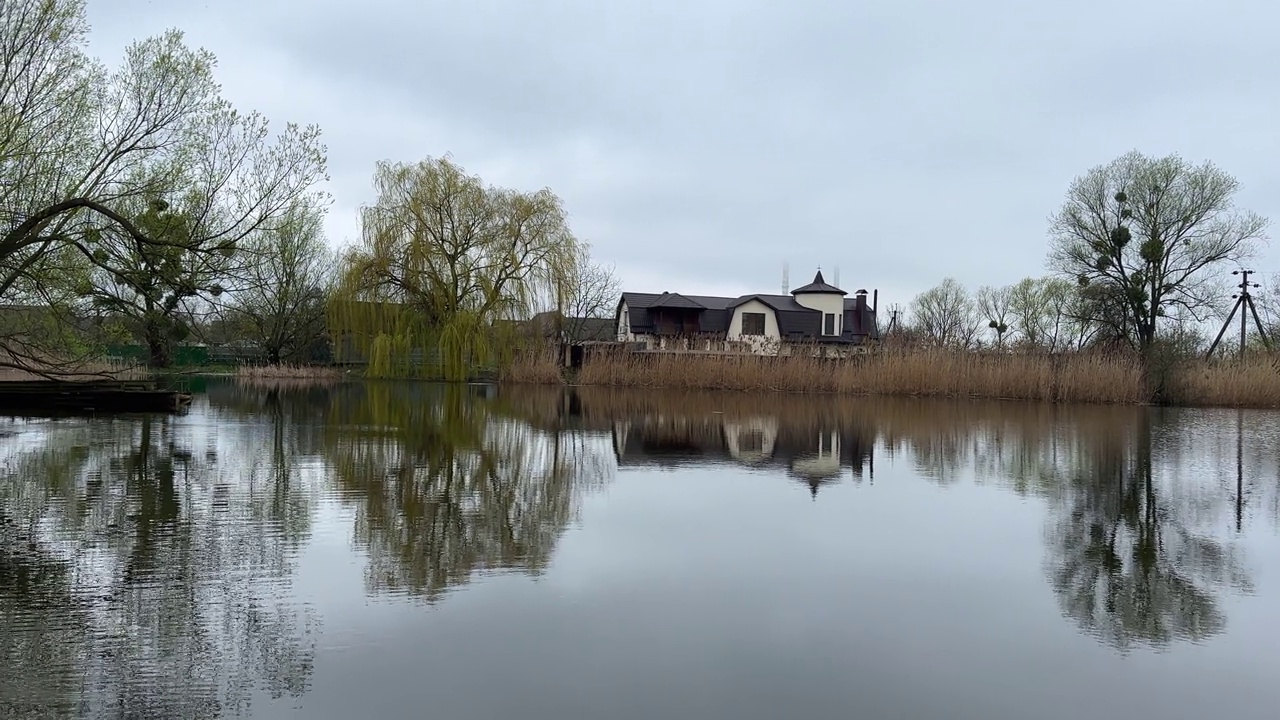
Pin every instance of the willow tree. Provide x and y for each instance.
(1149, 235)
(81, 145)
(447, 261)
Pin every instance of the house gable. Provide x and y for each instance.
(742, 327)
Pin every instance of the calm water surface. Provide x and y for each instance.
(412, 550)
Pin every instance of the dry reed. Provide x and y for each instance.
(532, 367)
(288, 372)
(921, 373)
(1251, 383)
(74, 373)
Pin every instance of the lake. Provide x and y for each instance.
(419, 550)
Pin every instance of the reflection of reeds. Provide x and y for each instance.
(1062, 378)
(1026, 444)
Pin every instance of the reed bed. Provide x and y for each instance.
(1251, 383)
(287, 376)
(1099, 378)
(1092, 378)
(76, 373)
(532, 367)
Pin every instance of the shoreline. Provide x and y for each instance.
(1064, 378)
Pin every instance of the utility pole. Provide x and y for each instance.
(893, 318)
(1243, 299)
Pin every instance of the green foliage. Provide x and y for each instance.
(135, 177)
(446, 264)
(1144, 235)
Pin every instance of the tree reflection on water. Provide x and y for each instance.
(147, 563)
(446, 486)
(145, 574)
(1136, 555)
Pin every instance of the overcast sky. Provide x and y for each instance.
(700, 144)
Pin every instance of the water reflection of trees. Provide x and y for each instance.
(1138, 552)
(447, 484)
(144, 571)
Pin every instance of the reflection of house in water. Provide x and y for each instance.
(816, 453)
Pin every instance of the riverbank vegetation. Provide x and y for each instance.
(144, 220)
(1086, 377)
(278, 372)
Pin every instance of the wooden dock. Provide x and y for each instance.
(52, 397)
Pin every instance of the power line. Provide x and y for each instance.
(1243, 299)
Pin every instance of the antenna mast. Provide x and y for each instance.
(786, 279)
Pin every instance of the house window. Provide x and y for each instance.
(830, 327)
(752, 323)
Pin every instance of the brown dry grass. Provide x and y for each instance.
(1253, 383)
(75, 373)
(532, 367)
(1078, 377)
(287, 377)
(921, 373)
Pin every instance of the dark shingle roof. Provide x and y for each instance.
(676, 300)
(795, 322)
(592, 329)
(819, 286)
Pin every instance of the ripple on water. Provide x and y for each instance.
(146, 564)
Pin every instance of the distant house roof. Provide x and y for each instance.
(577, 329)
(676, 300)
(819, 286)
(591, 329)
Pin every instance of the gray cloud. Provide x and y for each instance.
(699, 144)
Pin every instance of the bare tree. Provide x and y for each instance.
(591, 293)
(279, 303)
(994, 307)
(1040, 311)
(1148, 235)
(946, 315)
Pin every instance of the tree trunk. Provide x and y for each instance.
(158, 350)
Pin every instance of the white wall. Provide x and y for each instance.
(824, 462)
(735, 433)
(824, 303)
(767, 343)
(624, 324)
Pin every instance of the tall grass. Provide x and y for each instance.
(287, 377)
(532, 367)
(1116, 378)
(1251, 383)
(922, 373)
(78, 372)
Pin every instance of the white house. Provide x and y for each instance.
(817, 315)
